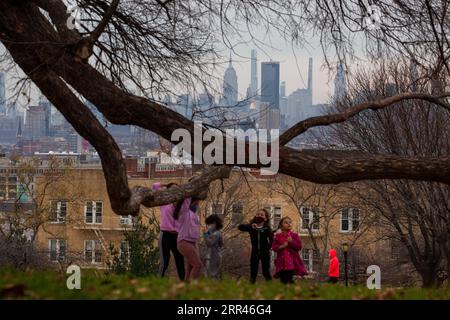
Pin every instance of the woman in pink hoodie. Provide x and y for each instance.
(188, 236)
(287, 246)
(168, 236)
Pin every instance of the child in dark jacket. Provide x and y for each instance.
(261, 237)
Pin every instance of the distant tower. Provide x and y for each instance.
(310, 81)
(35, 124)
(2, 93)
(47, 106)
(19, 130)
(230, 86)
(254, 74)
(283, 89)
(270, 84)
(340, 83)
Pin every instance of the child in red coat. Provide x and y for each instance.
(333, 269)
(287, 245)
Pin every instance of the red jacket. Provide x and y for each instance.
(333, 269)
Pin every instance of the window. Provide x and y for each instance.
(58, 211)
(94, 211)
(92, 251)
(306, 259)
(12, 180)
(124, 252)
(237, 213)
(310, 218)
(275, 215)
(57, 250)
(217, 208)
(350, 219)
(310, 258)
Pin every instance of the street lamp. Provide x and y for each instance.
(345, 249)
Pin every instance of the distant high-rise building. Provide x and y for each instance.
(269, 118)
(270, 84)
(298, 104)
(35, 123)
(283, 105)
(47, 106)
(310, 81)
(2, 93)
(75, 142)
(184, 105)
(11, 110)
(57, 119)
(340, 83)
(283, 89)
(8, 129)
(253, 75)
(230, 86)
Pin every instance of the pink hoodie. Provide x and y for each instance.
(188, 223)
(189, 229)
(167, 222)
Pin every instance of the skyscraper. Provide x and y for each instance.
(310, 81)
(283, 89)
(340, 83)
(270, 84)
(299, 103)
(35, 124)
(254, 74)
(283, 104)
(230, 86)
(2, 93)
(47, 106)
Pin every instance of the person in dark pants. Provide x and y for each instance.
(168, 237)
(168, 243)
(286, 276)
(261, 237)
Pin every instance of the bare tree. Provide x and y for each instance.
(415, 214)
(156, 45)
(319, 207)
(32, 210)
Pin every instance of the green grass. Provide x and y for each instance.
(97, 285)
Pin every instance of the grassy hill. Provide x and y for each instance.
(96, 285)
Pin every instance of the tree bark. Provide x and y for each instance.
(45, 56)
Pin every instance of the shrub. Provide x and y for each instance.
(138, 252)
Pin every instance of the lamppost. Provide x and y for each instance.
(345, 249)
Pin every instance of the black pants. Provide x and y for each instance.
(333, 280)
(286, 276)
(265, 264)
(167, 243)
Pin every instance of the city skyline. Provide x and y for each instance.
(293, 71)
